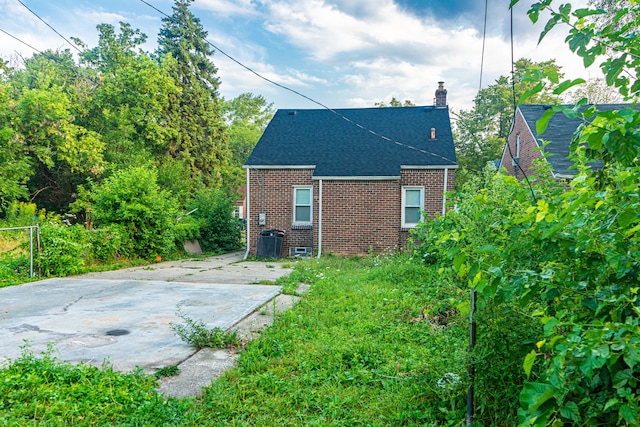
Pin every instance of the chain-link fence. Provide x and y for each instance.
(17, 240)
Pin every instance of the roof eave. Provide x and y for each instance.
(356, 178)
(429, 167)
(278, 166)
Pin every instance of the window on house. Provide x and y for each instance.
(412, 206)
(302, 205)
(518, 143)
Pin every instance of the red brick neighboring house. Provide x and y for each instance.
(524, 144)
(349, 181)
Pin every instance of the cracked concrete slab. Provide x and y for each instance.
(124, 316)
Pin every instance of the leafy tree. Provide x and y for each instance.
(395, 103)
(15, 168)
(247, 116)
(195, 110)
(481, 132)
(48, 95)
(132, 97)
(595, 91)
(612, 7)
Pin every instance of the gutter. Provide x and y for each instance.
(248, 220)
(444, 191)
(319, 218)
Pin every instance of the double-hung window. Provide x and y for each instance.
(302, 197)
(412, 206)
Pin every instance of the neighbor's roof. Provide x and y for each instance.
(340, 148)
(559, 133)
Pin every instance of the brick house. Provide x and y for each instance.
(349, 181)
(524, 145)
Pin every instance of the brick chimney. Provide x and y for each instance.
(441, 96)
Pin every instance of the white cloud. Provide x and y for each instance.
(101, 17)
(228, 7)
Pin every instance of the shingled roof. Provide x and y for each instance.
(336, 147)
(559, 133)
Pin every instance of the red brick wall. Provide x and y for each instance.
(528, 149)
(360, 215)
(357, 216)
(273, 188)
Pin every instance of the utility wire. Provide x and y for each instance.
(515, 106)
(484, 38)
(342, 116)
(21, 41)
(47, 24)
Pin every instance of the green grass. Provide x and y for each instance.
(357, 350)
(350, 353)
(43, 391)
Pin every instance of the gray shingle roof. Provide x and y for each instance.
(559, 133)
(339, 148)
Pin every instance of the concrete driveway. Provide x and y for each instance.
(124, 316)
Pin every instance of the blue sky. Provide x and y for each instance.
(342, 53)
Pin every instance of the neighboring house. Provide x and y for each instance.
(349, 181)
(524, 144)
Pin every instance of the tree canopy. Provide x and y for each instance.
(480, 133)
(66, 123)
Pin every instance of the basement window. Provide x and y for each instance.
(302, 197)
(412, 206)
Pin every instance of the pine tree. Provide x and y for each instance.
(201, 141)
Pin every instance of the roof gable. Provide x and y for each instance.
(558, 134)
(360, 142)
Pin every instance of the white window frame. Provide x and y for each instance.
(295, 204)
(406, 224)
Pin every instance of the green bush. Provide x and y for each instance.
(219, 230)
(132, 199)
(20, 214)
(63, 250)
(557, 282)
(109, 243)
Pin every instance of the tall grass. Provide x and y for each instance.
(360, 349)
(379, 341)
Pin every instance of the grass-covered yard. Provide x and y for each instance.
(377, 341)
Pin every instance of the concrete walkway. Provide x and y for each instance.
(124, 316)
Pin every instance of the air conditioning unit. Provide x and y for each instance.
(300, 252)
(515, 161)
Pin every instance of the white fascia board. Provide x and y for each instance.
(278, 166)
(429, 166)
(356, 178)
(563, 176)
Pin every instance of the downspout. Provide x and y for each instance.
(248, 219)
(444, 191)
(319, 218)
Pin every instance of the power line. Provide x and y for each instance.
(47, 24)
(21, 41)
(515, 106)
(343, 117)
(484, 39)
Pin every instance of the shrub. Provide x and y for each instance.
(109, 243)
(132, 199)
(63, 250)
(219, 230)
(20, 214)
